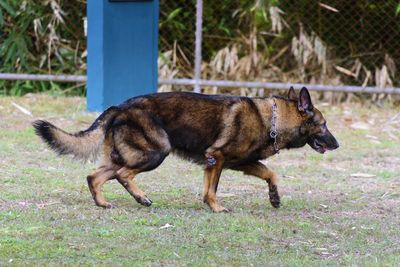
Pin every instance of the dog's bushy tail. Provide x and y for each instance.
(84, 144)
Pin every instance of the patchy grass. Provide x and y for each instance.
(332, 212)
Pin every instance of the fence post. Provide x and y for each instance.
(199, 30)
(122, 50)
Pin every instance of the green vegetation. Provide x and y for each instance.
(42, 37)
(341, 208)
(271, 40)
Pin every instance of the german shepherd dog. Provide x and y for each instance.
(218, 132)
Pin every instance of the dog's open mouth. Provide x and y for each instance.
(319, 147)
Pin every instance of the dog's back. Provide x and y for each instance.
(188, 124)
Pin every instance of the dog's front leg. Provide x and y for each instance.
(214, 164)
(259, 170)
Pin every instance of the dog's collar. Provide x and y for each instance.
(273, 132)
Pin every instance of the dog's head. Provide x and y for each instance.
(313, 129)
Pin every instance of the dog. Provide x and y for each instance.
(216, 131)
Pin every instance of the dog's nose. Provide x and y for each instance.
(335, 145)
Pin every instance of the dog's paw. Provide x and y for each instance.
(274, 197)
(275, 203)
(106, 205)
(219, 209)
(226, 210)
(145, 201)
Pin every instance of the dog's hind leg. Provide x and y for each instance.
(125, 177)
(212, 174)
(259, 170)
(96, 180)
(139, 145)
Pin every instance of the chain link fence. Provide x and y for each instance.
(336, 45)
(177, 37)
(309, 42)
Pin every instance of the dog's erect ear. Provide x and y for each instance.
(304, 103)
(292, 94)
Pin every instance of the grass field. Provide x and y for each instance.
(340, 208)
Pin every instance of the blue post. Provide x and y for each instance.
(122, 50)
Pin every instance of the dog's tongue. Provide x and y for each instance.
(323, 149)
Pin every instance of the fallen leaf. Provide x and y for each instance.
(22, 109)
(360, 126)
(362, 175)
(176, 254)
(392, 136)
(347, 112)
(348, 119)
(226, 195)
(288, 176)
(371, 137)
(376, 142)
(366, 228)
(167, 225)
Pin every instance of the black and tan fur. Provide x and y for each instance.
(218, 132)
